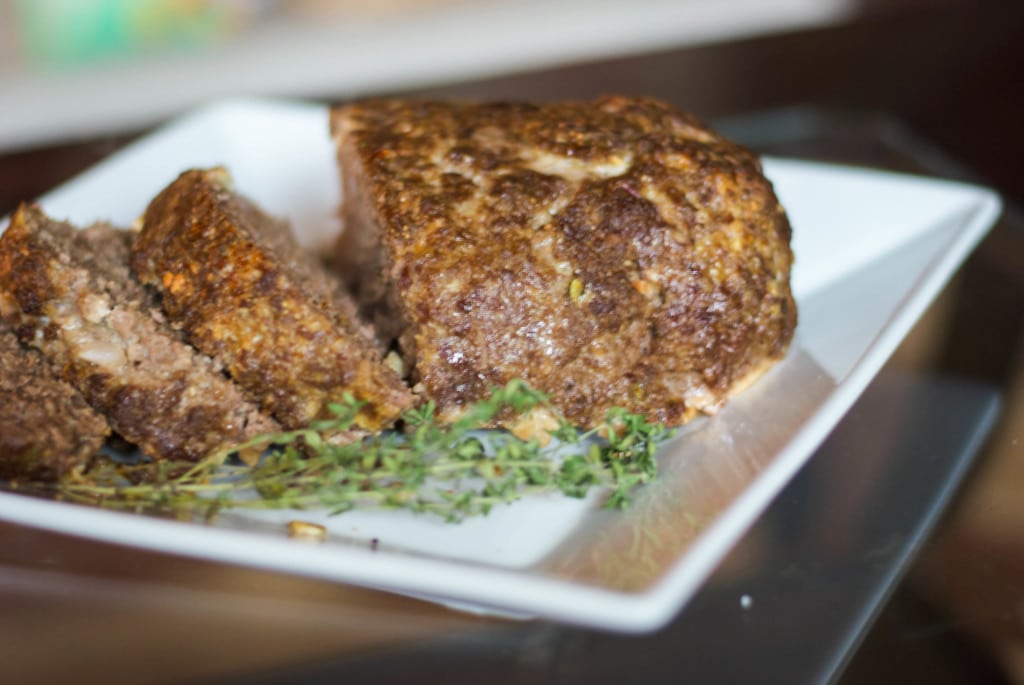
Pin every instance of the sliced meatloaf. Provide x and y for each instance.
(610, 253)
(236, 282)
(47, 430)
(70, 294)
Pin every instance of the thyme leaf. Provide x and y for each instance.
(451, 470)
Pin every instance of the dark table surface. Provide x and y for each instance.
(928, 88)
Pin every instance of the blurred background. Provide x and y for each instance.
(929, 86)
(79, 67)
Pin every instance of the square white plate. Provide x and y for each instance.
(873, 249)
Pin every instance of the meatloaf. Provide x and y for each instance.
(237, 283)
(47, 430)
(610, 253)
(70, 294)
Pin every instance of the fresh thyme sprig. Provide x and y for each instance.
(451, 470)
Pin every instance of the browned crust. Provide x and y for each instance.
(70, 294)
(46, 428)
(228, 277)
(611, 253)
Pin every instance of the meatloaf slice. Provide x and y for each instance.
(70, 294)
(237, 283)
(610, 253)
(47, 430)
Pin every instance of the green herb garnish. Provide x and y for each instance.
(451, 470)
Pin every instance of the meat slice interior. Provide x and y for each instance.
(70, 294)
(47, 430)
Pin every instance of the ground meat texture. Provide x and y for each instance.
(236, 282)
(47, 430)
(71, 295)
(610, 253)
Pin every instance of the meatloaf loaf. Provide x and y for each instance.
(610, 253)
(46, 428)
(70, 294)
(236, 282)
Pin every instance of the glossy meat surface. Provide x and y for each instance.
(611, 253)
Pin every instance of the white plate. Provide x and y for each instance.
(873, 249)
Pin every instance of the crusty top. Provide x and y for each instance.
(232, 280)
(611, 253)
